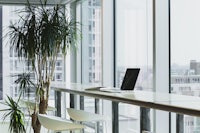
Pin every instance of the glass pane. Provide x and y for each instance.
(1, 60)
(133, 50)
(11, 64)
(185, 66)
(9, 56)
(91, 41)
(91, 57)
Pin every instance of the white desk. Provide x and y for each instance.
(167, 102)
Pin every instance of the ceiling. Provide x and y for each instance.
(34, 1)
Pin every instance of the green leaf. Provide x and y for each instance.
(15, 114)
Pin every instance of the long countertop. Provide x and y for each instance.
(181, 104)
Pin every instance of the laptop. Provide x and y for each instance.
(128, 83)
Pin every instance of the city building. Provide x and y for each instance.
(195, 66)
(187, 83)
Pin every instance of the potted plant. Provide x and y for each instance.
(16, 123)
(14, 109)
(41, 33)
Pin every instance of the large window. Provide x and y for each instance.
(89, 13)
(185, 61)
(1, 69)
(133, 50)
(134, 40)
(91, 41)
(10, 66)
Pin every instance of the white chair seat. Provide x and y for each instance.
(57, 124)
(83, 116)
(80, 115)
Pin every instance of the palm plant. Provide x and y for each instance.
(42, 33)
(14, 111)
(16, 115)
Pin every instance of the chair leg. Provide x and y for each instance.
(105, 126)
(30, 129)
(95, 127)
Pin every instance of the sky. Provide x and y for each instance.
(185, 31)
(132, 38)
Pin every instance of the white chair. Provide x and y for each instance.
(58, 124)
(83, 116)
(30, 105)
(146, 131)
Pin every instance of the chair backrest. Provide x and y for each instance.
(31, 105)
(57, 124)
(80, 115)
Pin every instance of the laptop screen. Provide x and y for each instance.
(130, 78)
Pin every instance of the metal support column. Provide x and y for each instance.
(58, 103)
(72, 101)
(82, 107)
(81, 102)
(144, 119)
(179, 123)
(97, 110)
(115, 117)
